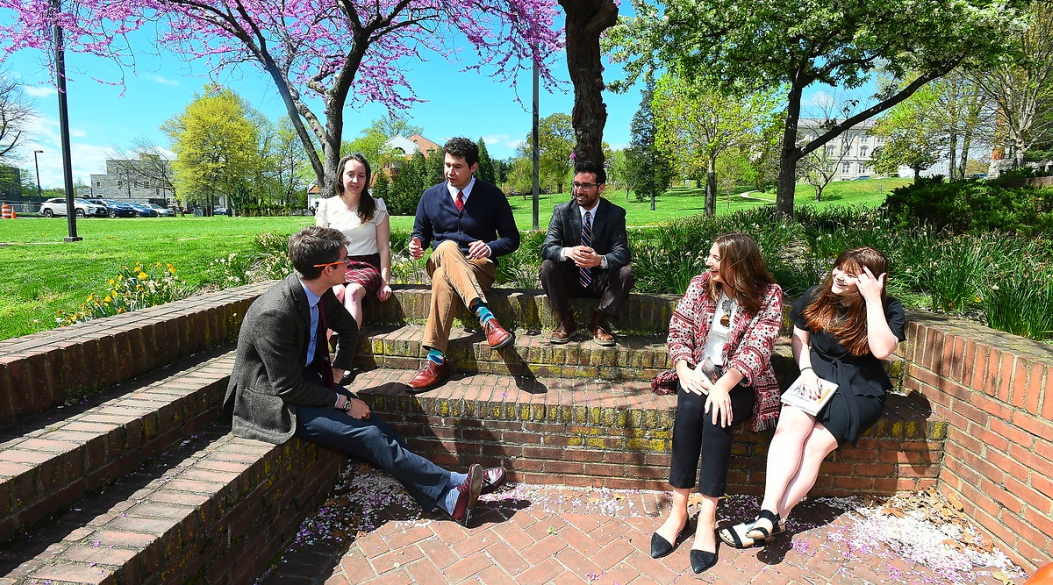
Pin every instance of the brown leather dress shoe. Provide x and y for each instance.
(493, 478)
(468, 496)
(496, 335)
(565, 330)
(432, 374)
(601, 330)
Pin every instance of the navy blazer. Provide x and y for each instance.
(267, 382)
(487, 217)
(609, 238)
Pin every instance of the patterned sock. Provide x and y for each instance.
(483, 313)
(436, 356)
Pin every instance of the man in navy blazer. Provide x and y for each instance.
(469, 222)
(282, 384)
(586, 254)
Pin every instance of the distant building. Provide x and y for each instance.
(859, 147)
(410, 146)
(852, 151)
(145, 179)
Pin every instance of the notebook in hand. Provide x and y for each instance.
(797, 396)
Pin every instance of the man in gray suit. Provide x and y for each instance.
(586, 254)
(282, 383)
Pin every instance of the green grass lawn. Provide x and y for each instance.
(43, 275)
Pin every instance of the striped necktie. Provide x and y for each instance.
(585, 278)
(460, 201)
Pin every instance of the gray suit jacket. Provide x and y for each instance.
(267, 383)
(609, 238)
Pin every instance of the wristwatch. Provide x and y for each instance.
(347, 405)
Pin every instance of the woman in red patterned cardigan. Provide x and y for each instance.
(721, 338)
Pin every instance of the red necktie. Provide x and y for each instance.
(460, 201)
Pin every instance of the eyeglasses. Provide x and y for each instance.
(577, 185)
(344, 262)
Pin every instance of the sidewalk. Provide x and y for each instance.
(371, 532)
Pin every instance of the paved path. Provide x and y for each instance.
(547, 534)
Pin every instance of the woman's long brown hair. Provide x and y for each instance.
(742, 269)
(366, 204)
(845, 316)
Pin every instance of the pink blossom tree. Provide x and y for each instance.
(337, 51)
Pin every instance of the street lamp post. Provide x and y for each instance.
(36, 163)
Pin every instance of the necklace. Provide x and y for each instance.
(725, 306)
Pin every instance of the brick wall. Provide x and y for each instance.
(43, 370)
(995, 392)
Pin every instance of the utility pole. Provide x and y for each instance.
(36, 164)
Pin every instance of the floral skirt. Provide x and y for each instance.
(365, 272)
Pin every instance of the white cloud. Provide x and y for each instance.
(40, 90)
(164, 80)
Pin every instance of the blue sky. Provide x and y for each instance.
(104, 116)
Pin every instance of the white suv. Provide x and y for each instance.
(57, 206)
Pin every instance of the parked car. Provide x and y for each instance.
(57, 206)
(161, 211)
(221, 211)
(143, 210)
(114, 208)
(862, 178)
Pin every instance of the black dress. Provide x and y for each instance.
(861, 380)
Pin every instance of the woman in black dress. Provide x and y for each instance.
(850, 325)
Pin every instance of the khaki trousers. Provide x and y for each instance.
(453, 277)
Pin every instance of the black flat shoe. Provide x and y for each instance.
(702, 560)
(660, 547)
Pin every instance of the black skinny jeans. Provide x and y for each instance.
(694, 434)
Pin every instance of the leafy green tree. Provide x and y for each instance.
(648, 168)
(617, 177)
(1022, 84)
(409, 181)
(394, 125)
(215, 145)
(486, 166)
(370, 143)
(555, 150)
(434, 169)
(795, 44)
(382, 190)
(911, 139)
(696, 124)
(289, 166)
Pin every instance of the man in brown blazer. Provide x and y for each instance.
(282, 382)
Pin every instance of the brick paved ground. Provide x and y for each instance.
(549, 534)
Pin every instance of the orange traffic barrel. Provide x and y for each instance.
(8, 211)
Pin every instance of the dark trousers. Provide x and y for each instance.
(375, 441)
(695, 435)
(560, 281)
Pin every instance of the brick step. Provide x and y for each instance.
(593, 432)
(634, 357)
(214, 509)
(523, 310)
(50, 461)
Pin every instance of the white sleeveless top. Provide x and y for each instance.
(718, 333)
(333, 212)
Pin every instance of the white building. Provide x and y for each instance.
(851, 152)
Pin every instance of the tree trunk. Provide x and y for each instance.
(789, 154)
(711, 186)
(586, 21)
(952, 157)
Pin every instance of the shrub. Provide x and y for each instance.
(1019, 301)
(965, 207)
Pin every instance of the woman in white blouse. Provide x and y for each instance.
(366, 224)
